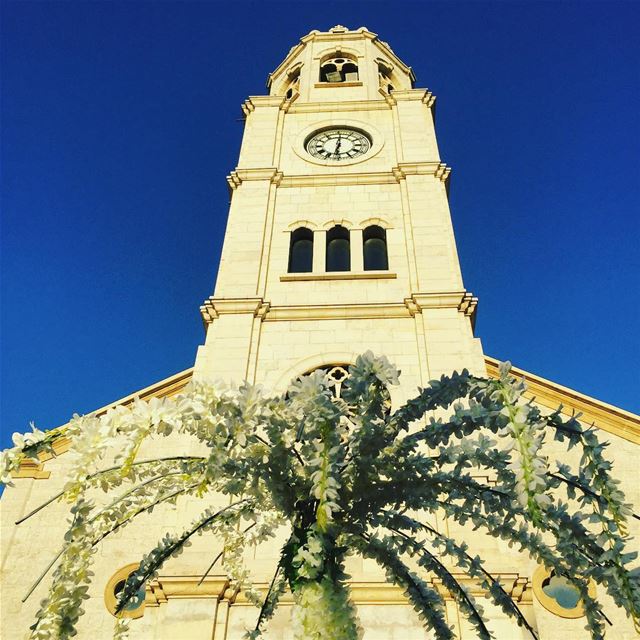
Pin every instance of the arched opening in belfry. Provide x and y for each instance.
(301, 251)
(374, 246)
(338, 249)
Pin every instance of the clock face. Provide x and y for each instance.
(338, 144)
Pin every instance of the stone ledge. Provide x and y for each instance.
(339, 275)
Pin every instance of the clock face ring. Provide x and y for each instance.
(337, 144)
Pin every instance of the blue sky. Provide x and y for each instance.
(121, 120)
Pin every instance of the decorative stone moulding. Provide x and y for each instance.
(437, 169)
(237, 177)
(253, 102)
(219, 587)
(31, 469)
(213, 308)
(461, 300)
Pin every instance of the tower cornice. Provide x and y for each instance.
(339, 34)
(237, 177)
(252, 102)
(416, 303)
(438, 170)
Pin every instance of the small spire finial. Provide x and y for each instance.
(338, 29)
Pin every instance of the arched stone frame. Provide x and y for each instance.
(110, 598)
(310, 363)
(343, 222)
(338, 51)
(301, 223)
(380, 222)
(377, 141)
(540, 575)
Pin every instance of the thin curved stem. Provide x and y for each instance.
(143, 509)
(448, 579)
(424, 597)
(522, 621)
(57, 556)
(215, 560)
(157, 561)
(102, 472)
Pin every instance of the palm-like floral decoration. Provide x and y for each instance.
(348, 475)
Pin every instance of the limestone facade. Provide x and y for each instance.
(267, 324)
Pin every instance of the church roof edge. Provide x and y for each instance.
(548, 394)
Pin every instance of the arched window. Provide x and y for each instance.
(374, 244)
(301, 251)
(350, 72)
(338, 250)
(293, 86)
(384, 78)
(339, 69)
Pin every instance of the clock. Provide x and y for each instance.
(338, 144)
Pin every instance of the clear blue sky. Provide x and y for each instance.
(121, 120)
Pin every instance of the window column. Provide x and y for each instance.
(319, 251)
(357, 260)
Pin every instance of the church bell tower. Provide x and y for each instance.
(339, 237)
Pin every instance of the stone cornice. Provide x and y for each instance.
(337, 179)
(549, 394)
(337, 311)
(215, 307)
(423, 95)
(463, 301)
(346, 105)
(163, 588)
(237, 177)
(415, 304)
(219, 587)
(254, 102)
(437, 169)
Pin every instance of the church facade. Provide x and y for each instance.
(339, 240)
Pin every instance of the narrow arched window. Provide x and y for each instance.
(301, 251)
(338, 249)
(350, 72)
(374, 244)
(293, 85)
(329, 73)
